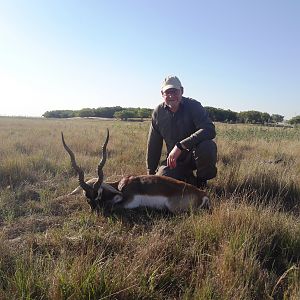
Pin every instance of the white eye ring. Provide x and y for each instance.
(117, 198)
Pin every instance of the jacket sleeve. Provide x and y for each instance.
(154, 148)
(205, 129)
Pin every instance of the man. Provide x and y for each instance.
(188, 131)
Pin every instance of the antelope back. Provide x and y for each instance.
(162, 193)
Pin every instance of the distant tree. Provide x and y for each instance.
(277, 118)
(86, 112)
(221, 115)
(59, 114)
(131, 112)
(107, 112)
(251, 116)
(118, 115)
(242, 117)
(125, 114)
(295, 120)
(144, 113)
(265, 117)
(213, 112)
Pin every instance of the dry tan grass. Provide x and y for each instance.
(51, 247)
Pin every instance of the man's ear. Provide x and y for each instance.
(181, 90)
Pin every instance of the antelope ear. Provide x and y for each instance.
(110, 188)
(117, 198)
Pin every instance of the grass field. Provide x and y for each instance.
(52, 247)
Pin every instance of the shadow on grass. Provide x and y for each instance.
(138, 216)
(263, 189)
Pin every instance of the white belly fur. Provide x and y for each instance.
(158, 202)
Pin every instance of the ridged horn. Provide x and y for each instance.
(79, 171)
(102, 162)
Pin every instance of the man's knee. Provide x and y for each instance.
(176, 173)
(206, 158)
(207, 150)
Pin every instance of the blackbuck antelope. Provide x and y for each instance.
(153, 191)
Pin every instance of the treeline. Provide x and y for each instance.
(102, 112)
(216, 114)
(250, 116)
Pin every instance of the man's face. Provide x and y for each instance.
(172, 98)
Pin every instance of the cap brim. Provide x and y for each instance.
(170, 86)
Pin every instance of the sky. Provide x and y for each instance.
(70, 54)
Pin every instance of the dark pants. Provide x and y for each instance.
(202, 158)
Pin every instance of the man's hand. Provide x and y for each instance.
(172, 158)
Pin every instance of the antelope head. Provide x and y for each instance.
(98, 194)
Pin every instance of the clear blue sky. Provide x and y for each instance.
(238, 55)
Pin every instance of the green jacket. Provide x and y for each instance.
(190, 125)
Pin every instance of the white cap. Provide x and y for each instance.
(171, 82)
